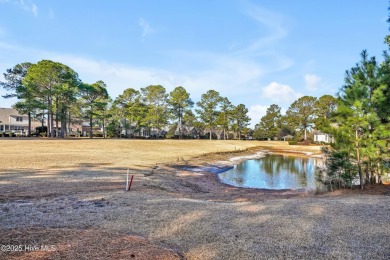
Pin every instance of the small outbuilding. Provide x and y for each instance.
(288, 137)
(322, 137)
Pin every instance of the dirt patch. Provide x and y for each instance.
(52, 243)
(356, 191)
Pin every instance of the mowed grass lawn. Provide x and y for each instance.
(70, 153)
(49, 153)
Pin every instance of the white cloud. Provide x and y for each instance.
(280, 93)
(226, 74)
(27, 5)
(256, 112)
(274, 24)
(34, 9)
(312, 82)
(146, 28)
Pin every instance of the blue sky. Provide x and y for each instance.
(254, 52)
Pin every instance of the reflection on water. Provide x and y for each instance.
(273, 172)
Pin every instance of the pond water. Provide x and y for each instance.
(273, 172)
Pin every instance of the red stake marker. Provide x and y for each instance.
(131, 181)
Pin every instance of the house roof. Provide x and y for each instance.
(316, 132)
(6, 112)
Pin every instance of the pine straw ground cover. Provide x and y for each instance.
(73, 199)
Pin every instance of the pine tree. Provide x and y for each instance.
(208, 109)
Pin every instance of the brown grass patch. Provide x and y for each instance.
(54, 243)
(63, 154)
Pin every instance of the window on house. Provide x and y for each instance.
(19, 119)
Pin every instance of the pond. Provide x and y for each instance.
(273, 172)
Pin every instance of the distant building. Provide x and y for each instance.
(12, 121)
(322, 137)
(287, 137)
(86, 128)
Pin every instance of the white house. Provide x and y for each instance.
(322, 137)
(12, 121)
(288, 137)
(144, 132)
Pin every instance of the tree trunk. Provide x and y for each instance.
(180, 123)
(57, 119)
(126, 128)
(69, 120)
(48, 129)
(52, 124)
(104, 128)
(63, 128)
(180, 130)
(90, 127)
(368, 173)
(224, 129)
(360, 169)
(56, 135)
(42, 121)
(379, 173)
(29, 125)
(158, 129)
(305, 135)
(63, 123)
(210, 133)
(358, 160)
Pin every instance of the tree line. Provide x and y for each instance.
(53, 92)
(304, 114)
